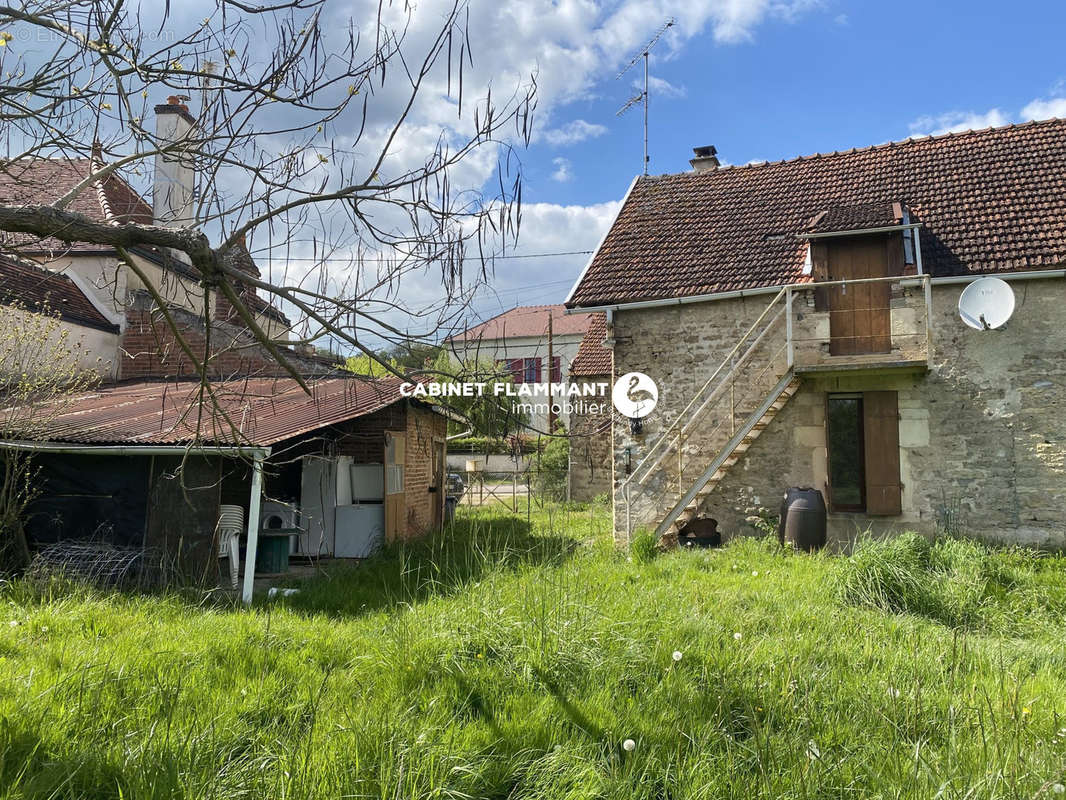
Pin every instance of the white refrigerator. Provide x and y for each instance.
(360, 525)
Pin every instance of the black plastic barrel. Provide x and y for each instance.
(803, 519)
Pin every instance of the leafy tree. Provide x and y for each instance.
(42, 367)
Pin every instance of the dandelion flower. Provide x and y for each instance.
(14, 623)
(629, 745)
(738, 636)
(1058, 788)
(755, 573)
(1026, 711)
(812, 750)
(677, 655)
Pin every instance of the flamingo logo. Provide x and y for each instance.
(635, 395)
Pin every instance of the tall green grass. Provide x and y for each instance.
(959, 582)
(512, 661)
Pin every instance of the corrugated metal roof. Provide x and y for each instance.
(255, 411)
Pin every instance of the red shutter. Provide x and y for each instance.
(514, 366)
(884, 493)
(538, 360)
(557, 372)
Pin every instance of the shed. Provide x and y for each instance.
(148, 463)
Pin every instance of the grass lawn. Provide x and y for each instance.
(504, 662)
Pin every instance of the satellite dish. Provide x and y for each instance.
(986, 303)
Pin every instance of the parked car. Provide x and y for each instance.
(456, 486)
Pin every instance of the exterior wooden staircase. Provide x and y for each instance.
(688, 506)
(688, 459)
(681, 460)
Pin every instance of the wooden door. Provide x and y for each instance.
(859, 314)
(884, 493)
(395, 499)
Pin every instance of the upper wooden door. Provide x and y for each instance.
(859, 314)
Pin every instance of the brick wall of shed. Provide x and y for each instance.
(364, 440)
(985, 429)
(424, 429)
(590, 449)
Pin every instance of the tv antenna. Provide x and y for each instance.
(986, 304)
(643, 96)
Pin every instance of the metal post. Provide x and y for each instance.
(253, 528)
(928, 289)
(732, 395)
(629, 521)
(646, 111)
(788, 326)
(680, 469)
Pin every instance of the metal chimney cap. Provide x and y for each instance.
(706, 151)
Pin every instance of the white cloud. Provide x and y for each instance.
(563, 172)
(546, 228)
(658, 87)
(954, 121)
(573, 132)
(1045, 109)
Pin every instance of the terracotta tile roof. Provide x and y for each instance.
(856, 217)
(45, 180)
(36, 289)
(989, 201)
(264, 411)
(592, 357)
(524, 321)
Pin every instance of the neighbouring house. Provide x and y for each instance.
(353, 463)
(518, 342)
(348, 458)
(27, 288)
(590, 433)
(800, 319)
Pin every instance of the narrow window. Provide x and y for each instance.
(847, 479)
(532, 370)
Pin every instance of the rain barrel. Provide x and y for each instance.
(803, 518)
(272, 554)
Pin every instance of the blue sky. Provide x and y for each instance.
(840, 75)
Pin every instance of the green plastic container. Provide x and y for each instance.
(272, 554)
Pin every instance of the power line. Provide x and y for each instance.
(487, 258)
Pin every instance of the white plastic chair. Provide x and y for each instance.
(228, 532)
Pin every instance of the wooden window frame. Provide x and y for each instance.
(881, 485)
(835, 507)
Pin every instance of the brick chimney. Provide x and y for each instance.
(172, 192)
(706, 159)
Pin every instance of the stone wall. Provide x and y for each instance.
(590, 448)
(984, 430)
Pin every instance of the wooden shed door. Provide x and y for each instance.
(395, 502)
(859, 315)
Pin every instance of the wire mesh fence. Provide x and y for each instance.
(103, 565)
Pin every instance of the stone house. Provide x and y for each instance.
(517, 342)
(801, 321)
